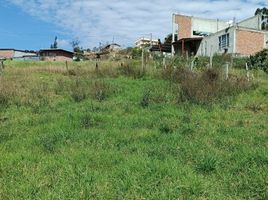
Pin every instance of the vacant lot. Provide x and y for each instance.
(117, 133)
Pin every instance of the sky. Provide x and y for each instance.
(33, 24)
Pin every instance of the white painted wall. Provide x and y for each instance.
(253, 22)
(266, 40)
(210, 45)
(20, 54)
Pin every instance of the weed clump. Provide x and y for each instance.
(207, 164)
(78, 91)
(131, 71)
(59, 86)
(101, 90)
(165, 129)
(145, 100)
(88, 121)
(4, 98)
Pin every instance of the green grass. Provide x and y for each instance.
(127, 138)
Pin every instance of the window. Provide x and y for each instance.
(224, 41)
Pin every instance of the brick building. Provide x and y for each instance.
(15, 54)
(55, 55)
(205, 37)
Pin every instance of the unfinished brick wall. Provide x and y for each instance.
(185, 26)
(249, 42)
(56, 58)
(6, 53)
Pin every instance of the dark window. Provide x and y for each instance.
(224, 41)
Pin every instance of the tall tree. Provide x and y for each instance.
(168, 39)
(55, 44)
(78, 51)
(264, 12)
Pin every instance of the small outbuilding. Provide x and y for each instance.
(15, 54)
(55, 55)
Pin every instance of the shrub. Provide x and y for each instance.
(207, 86)
(240, 63)
(260, 60)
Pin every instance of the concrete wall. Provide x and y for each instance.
(208, 25)
(253, 23)
(249, 42)
(210, 44)
(31, 58)
(187, 25)
(19, 54)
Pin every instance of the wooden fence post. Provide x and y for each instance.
(2, 67)
(164, 62)
(142, 59)
(192, 64)
(247, 71)
(226, 71)
(66, 65)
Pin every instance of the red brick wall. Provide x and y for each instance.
(56, 58)
(249, 42)
(6, 53)
(185, 26)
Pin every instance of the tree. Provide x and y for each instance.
(55, 44)
(78, 51)
(264, 12)
(168, 39)
(260, 60)
(261, 11)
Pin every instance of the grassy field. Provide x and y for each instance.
(78, 133)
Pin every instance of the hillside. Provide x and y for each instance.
(117, 133)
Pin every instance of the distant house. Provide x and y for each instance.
(55, 55)
(145, 42)
(112, 47)
(15, 54)
(205, 37)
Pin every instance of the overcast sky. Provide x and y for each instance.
(94, 21)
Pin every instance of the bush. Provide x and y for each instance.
(260, 60)
(240, 63)
(207, 86)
